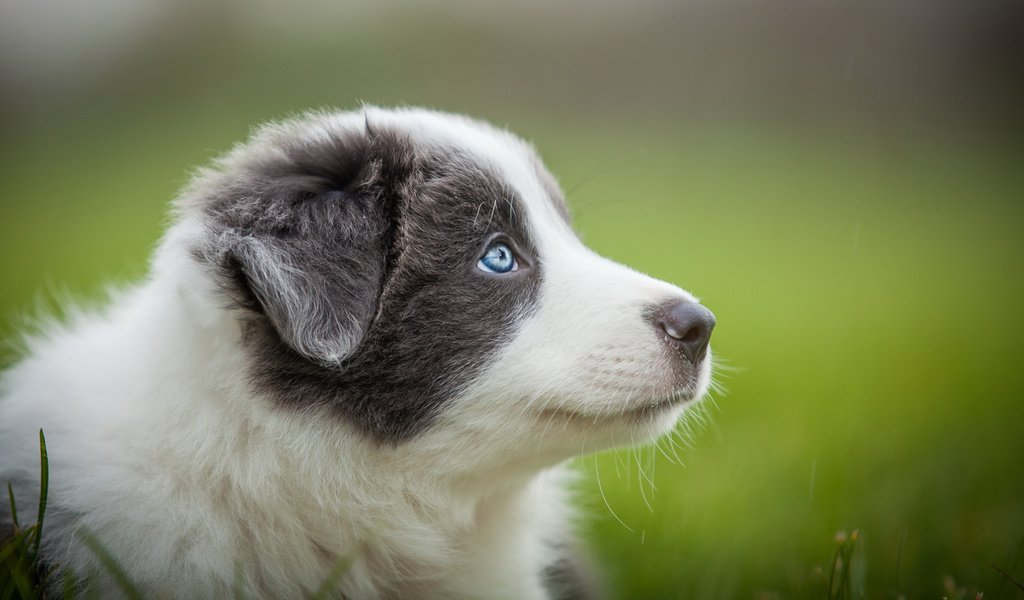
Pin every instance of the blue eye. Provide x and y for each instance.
(498, 259)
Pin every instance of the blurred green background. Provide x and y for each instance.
(840, 182)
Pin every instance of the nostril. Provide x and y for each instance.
(693, 335)
(689, 325)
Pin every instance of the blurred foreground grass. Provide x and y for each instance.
(868, 297)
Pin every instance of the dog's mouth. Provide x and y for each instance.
(659, 405)
(655, 407)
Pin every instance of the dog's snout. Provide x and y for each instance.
(688, 325)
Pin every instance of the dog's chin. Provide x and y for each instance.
(656, 407)
(653, 417)
(576, 432)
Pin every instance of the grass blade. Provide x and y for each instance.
(15, 544)
(237, 586)
(14, 508)
(19, 581)
(832, 574)
(7, 591)
(71, 585)
(44, 485)
(1009, 577)
(330, 584)
(92, 590)
(108, 561)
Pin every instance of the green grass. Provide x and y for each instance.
(21, 576)
(868, 297)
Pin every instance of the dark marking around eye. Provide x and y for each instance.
(427, 320)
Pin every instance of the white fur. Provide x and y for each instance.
(158, 446)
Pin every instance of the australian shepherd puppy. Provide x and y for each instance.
(368, 338)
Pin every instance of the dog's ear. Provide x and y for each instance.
(308, 243)
(320, 294)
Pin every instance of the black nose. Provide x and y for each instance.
(689, 326)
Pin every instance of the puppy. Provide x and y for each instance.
(368, 339)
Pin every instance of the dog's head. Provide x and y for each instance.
(411, 271)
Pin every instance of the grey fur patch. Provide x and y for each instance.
(570, 577)
(353, 258)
